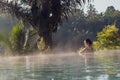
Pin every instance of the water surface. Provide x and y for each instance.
(65, 66)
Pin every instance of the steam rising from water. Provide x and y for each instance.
(60, 66)
(43, 60)
(54, 57)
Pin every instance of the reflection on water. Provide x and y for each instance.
(61, 67)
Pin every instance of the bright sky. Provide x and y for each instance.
(101, 5)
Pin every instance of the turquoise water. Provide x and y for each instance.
(61, 67)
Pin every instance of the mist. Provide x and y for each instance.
(6, 23)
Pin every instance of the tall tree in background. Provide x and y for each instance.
(43, 15)
(91, 10)
(110, 11)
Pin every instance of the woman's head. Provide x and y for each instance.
(87, 42)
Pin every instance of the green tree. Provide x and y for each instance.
(108, 38)
(111, 14)
(82, 26)
(17, 37)
(5, 42)
(19, 40)
(110, 11)
(43, 15)
(91, 10)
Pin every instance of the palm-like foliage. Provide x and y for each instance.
(17, 37)
(15, 40)
(19, 40)
(4, 41)
(43, 15)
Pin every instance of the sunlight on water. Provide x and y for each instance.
(62, 66)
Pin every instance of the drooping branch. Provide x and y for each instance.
(16, 10)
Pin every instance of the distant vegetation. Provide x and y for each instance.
(85, 25)
(70, 35)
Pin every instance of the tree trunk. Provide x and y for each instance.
(45, 40)
(45, 20)
(44, 29)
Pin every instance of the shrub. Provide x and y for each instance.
(108, 38)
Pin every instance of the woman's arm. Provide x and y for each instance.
(83, 50)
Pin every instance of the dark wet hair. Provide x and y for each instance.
(88, 41)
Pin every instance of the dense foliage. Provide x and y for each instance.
(85, 25)
(5, 43)
(108, 38)
(43, 15)
(20, 40)
(79, 26)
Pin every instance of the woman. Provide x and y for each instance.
(87, 52)
(88, 47)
